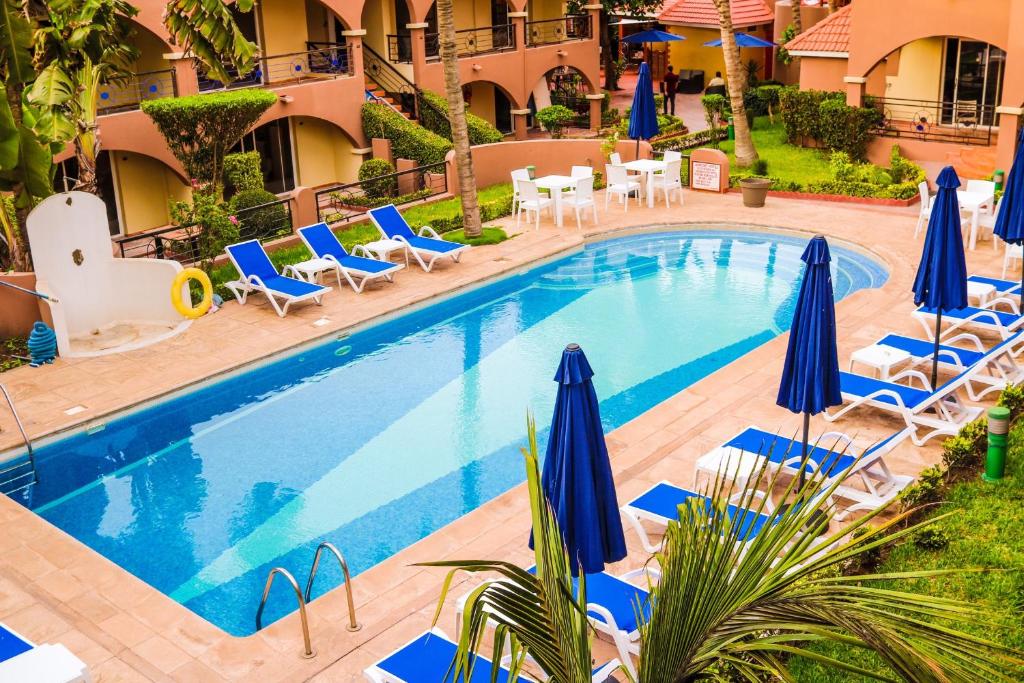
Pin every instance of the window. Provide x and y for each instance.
(972, 82)
(273, 142)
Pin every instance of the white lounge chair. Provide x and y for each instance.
(428, 658)
(989, 320)
(831, 456)
(355, 268)
(1003, 287)
(23, 661)
(259, 275)
(427, 247)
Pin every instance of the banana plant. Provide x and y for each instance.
(206, 29)
(730, 610)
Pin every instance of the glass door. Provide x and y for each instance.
(972, 83)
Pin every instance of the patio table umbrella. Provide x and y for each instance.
(652, 36)
(941, 281)
(810, 374)
(742, 40)
(1010, 221)
(577, 476)
(643, 117)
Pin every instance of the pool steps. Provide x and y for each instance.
(14, 475)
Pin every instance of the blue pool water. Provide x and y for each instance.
(378, 439)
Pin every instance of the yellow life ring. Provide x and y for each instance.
(180, 306)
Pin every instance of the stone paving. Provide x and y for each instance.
(54, 589)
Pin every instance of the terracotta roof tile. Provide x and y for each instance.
(831, 34)
(703, 13)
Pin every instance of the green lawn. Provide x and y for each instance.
(984, 530)
(785, 162)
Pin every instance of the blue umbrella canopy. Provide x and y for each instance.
(643, 117)
(652, 36)
(742, 40)
(577, 476)
(941, 281)
(1010, 221)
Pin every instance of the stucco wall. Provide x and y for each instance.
(691, 53)
(323, 153)
(918, 71)
(822, 73)
(144, 187)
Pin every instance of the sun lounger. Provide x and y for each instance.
(426, 247)
(355, 268)
(259, 275)
(1002, 287)
(428, 659)
(984, 319)
(23, 661)
(957, 358)
(830, 456)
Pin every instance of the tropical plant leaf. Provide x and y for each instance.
(15, 44)
(9, 138)
(51, 88)
(35, 163)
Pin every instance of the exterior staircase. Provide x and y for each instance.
(973, 162)
(381, 95)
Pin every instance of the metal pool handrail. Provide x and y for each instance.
(24, 436)
(353, 625)
(309, 652)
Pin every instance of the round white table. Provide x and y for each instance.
(383, 249)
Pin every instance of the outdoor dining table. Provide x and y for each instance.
(556, 184)
(648, 167)
(974, 201)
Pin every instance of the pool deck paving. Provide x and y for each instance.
(54, 589)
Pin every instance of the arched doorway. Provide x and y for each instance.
(491, 102)
(566, 86)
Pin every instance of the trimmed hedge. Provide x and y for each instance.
(481, 132)
(242, 171)
(370, 172)
(825, 118)
(261, 223)
(699, 138)
(408, 140)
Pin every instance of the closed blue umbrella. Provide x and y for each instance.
(1010, 221)
(810, 375)
(742, 40)
(652, 36)
(643, 117)
(577, 475)
(941, 281)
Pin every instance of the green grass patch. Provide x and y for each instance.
(489, 236)
(13, 352)
(785, 161)
(983, 530)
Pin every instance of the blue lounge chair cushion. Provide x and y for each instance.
(830, 459)
(1005, 319)
(664, 500)
(920, 348)
(619, 597)
(859, 385)
(11, 645)
(427, 660)
(391, 222)
(290, 286)
(252, 259)
(365, 265)
(1002, 286)
(430, 244)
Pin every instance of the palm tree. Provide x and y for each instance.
(726, 610)
(746, 153)
(457, 116)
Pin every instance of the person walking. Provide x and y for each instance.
(669, 85)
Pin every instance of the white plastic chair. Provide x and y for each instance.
(672, 155)
(616, 160)
(669, 181)
(1014, 252)
(582, 172)
(619, 183)
(987, 221)
(530, 200)
(518, 174)
(582, 198)
(981, 186)
(926, 207)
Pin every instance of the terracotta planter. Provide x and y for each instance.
(754, 191)
(19, 310)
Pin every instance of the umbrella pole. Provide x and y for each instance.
(803, 456)
(935, 353)
(638, 148)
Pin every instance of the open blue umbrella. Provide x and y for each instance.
(1010, 221)
(941, 281)
(742, 40)
(652, 36)
(643, 117)
(577, 475)
(810, 375)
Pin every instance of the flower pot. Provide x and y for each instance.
(754, 191)
(20, 310)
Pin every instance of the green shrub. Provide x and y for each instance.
(931, 538)
(845, 128)
(754, 103)
(1013, 398)
(555, 118)
(700, 138)
(903, 170)
(374, 186)
(801, 112)
(207, 225)
(964, 450)
(769, 94)
(928, 488)
(262, 223)
(408, 140)
(242, 172)
(435, 118)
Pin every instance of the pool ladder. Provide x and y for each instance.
(16, 474)
(303, 598)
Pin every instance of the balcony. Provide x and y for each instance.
(127, 95)
(563, 30)
(965, 122)
(320, 62)
(469, 42)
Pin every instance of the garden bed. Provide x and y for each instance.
(840, 198)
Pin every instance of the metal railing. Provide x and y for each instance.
(469, 42)
(181, 243)
(30, 463)
(391, 81)
(562, 30)
(127, 95)
(343, 203)
(308, 652)
(353, 625)
(962, 122)
(325, 60)
(579, 104)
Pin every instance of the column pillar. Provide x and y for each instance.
(1009, 129)
(417, 38)
(596, 100)
(354, 39)
(855, 90)
(519, 122)
(186, 76)
(518, 20)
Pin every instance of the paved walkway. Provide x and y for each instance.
(54, 589)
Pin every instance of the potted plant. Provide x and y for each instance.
(755, 187)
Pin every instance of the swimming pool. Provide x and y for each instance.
(378, 439)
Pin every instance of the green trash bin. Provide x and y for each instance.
(998, 426)
(731, 128)
(999, 177)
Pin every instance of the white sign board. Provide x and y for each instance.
(706, 176)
